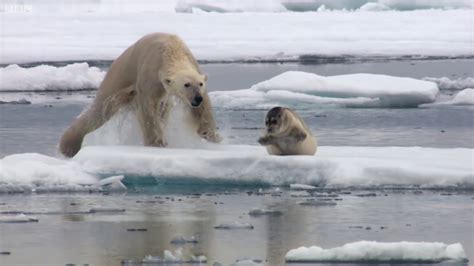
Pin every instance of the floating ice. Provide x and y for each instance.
(234, 225)
(35, 172)
(171, 257)
(240, 165)
(21, 218)
(72, 77)
(113, 183)
(243, 164)
(301, 187)
(445, 83)
(278, 36)
(179, 240)
(106, 210)
(260, 212)
(371, 251)
(247, 262)
(317, 203)
(464, 97)
(302, 89)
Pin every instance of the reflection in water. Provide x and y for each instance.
(103, 239)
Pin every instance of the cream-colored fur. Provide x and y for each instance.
(145, 76)
(288, 134)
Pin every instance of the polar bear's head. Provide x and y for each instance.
(187, 85)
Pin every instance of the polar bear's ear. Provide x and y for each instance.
(204, 76)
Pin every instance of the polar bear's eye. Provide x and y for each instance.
(187, 85)
(200, 84)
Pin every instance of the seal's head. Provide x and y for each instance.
(275, 119)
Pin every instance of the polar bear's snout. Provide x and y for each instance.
(197, 101)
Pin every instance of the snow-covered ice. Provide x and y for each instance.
(241, 164)
(364, 251)
(99, 34)
(464, 97)
(78, 76)
(247, 262)
(302, 89)
(445, 83)
(332, 166)
(32, 171)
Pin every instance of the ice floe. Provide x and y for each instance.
(72, 77)
(234, 225)
(234, 165)
(372, 251)
(169, 257)
(243, 164)
(261, 212)
(464, 97)
(280, 36)
(445, 83)
(37, 172)
(20, 218)
(306, 90)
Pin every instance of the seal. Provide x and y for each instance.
(287, 134)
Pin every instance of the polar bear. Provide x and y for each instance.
(147, 76)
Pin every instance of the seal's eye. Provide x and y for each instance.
(200, 84)
(187, 85)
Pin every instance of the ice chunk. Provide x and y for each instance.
(106, 210)
(317, 203)
(113, 183)
(243, 164)
(179, 240)
(247, 262)
(445, 83)
(21, 218)
(372, 251)
(36, 172)
(296, 89)
(260, 212)
(72, 77)
(173, 257)
(464, 97)
(301, 187)
(234, 225)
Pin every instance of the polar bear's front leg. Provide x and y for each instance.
(204, 118)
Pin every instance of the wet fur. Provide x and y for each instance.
(137, 78)
(289, 135)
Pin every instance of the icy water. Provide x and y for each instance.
(167, 211)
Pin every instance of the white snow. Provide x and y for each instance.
(445, 83)
(78, 76)
(302, 89)
(62, 32)
(332, 166)
(380, 252)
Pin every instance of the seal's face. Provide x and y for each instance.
(274, 120)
